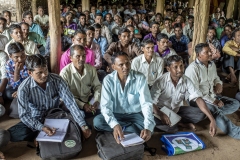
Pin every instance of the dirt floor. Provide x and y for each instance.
(220, 147)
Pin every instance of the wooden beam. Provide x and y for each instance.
(191, 3)
(19, 10)
(160, 6)
(230, 8)
(201, 18)
(55, 34)
(143, 3)
(34, 7)
(85, 5)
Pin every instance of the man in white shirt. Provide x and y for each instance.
(3, 42)
(204, 76)
(168, 30)
(130, 11)
(170, 90)
(188, 29)
(42, 19)
(149, 63)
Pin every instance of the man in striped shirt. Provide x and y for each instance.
(40, 92)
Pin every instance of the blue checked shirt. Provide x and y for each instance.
(180, 46)
(34, 102)
(10, 69)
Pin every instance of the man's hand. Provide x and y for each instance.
(118, 133)
(18, 67)
(218, 103)
(49, 131)
(145, 135)
(14, 95)
(234, 48)
(88, 108)
(86, 132)
(213, 128)
(218, 88)
(95, 105)
(165, 119)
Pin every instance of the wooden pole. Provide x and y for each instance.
(160, 6)
(238, 9)
(201, 18)
(190, 3)
(55, 34)
(34, 7)
(85, 5)
(230, 8)
(19, 10)
(143, 3)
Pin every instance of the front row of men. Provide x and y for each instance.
(126, 100)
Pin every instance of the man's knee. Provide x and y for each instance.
(4, 137)
(98, 122)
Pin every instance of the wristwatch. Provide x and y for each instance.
(85, 127)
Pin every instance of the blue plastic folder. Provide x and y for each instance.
(181, 142)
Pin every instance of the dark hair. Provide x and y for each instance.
(230, 20)
(27, 13)
(177, 25)
(190, 17)
(68, 13)
(35, 61)
(79, 31)
(20, 24)
(167, 19)
(129, 26)
(6, 11)
(76, 47)
(168, 10)
(12, 27)
(228, 25)
(146, 41)
(40, 7)
(211, 28)
(97, 26)
(117, 54)
(98, 14)
(127, 18)
(122, 30)
(161, 36)
(89, 28)
(173, 58)
(222, 18)
(199, 47)
(82, 15)
(234, 32)
(3, 19)
(151, 24)
(15, 48)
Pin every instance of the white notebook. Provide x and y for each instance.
(131, 140)
(174, 118)
(61, 126)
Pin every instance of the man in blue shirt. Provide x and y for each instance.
(102, 41)
(33, 27)
(125, 101)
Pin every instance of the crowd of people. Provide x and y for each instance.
(120, 63)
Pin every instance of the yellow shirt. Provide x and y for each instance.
(81, 85)
(227, 48)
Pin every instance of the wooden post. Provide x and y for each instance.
(143, 3)
(190, 3)
(160, 6)
(230, 8)
(201, 18)
(85, 5)
(19, 10)
(238, 9)
(34, 7)
(55, 34)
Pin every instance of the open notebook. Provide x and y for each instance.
(131, 140)
(61, 126)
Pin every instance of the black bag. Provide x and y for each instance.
(108, 149)
(70, 146)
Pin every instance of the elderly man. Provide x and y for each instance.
(125, 101)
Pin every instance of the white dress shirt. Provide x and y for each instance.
(164, 93)
(152, 71)
(167, 33)
(204, 78)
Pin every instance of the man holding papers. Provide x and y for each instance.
(125, 101)
(170, 90)
(40, 92)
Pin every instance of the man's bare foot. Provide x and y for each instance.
(2, 156)
(188, 125)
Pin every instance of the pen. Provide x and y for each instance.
(123, 129)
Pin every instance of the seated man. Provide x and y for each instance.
(82, 22)
(168, 30)
(40, 92)
(3, 28)
(82, 79)
(8, 16)
(15, 69)
(32, 36)
(231, 61)
(162, 48)
(3, 42)
(4, 139)
(125, 101)
(132, 38)
(33, 27)
(17, 36)
(154, 28)
(214, 43)
(42, 19)
(100, 40)
(203, 74)
(188, 29)
(149, 64)
(170, 90)
(3, 78)
(109, 21)
(130, 11)
(123, 44)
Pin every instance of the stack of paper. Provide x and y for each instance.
(61, 126)
(131, 140)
